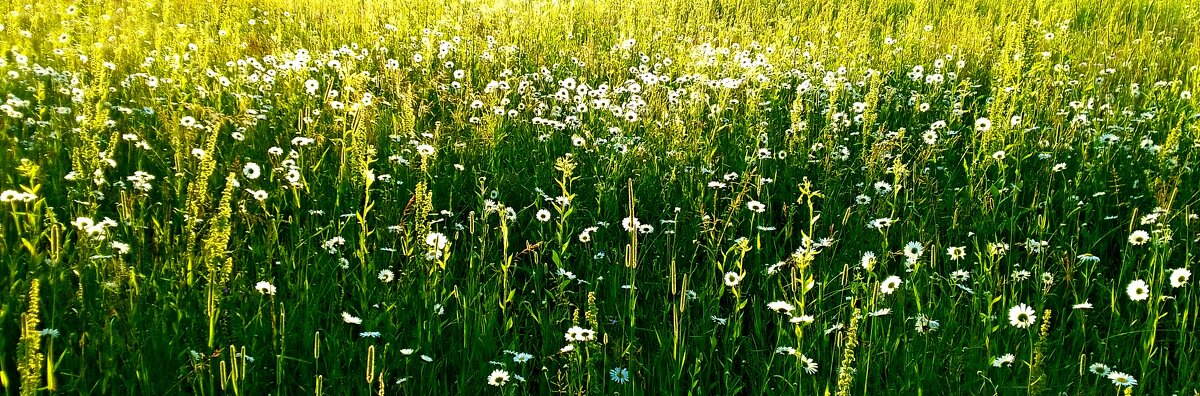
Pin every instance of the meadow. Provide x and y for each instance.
(863, 197)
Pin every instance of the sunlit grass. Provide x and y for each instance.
(867, 197)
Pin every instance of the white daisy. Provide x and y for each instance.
(913, 250)
(1138, 290)
(579, 334)
(425, 150)
(386, 275)
(983, 124)
(1021, 316)
(802, 319)
(259, 195)
(1121, 379)
(498, 378)
(780, 306)
(889, 285)
(265, 287)
(436, 240)
(251, 170)
(1180, 276)
(868, 260)
(809, 365)
(956, 252)
(1139, 237)
(1006, 360)
(732, 279)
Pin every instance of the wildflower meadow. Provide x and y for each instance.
(600, 197)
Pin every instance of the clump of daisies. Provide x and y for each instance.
(94, 230)
(925, 325)
(782, 307)
(579, 334)
(912, 252)
(437, 244)
(265, 287)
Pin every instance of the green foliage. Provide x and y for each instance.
(638, 197)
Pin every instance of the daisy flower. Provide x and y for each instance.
(913, 250)
(1138, 290)
(436, 240)
(879, 223)
(1180, 276)
(802, 319)
(498, 378)
(426, 150)
(889, 285)
(576, 333)
(386, 275)
(983, 124)
(809, 365)
(630, 224)
(868, 260)
(1006, 360)
(732, 279)
(619, 375)
(1121, 379)
(956, 252)
(1139, 237)
(251, 170)
(1021, 316)
(1100, 369)
(780, 306)
(265, 287)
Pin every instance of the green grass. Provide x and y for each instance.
(405, 197)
